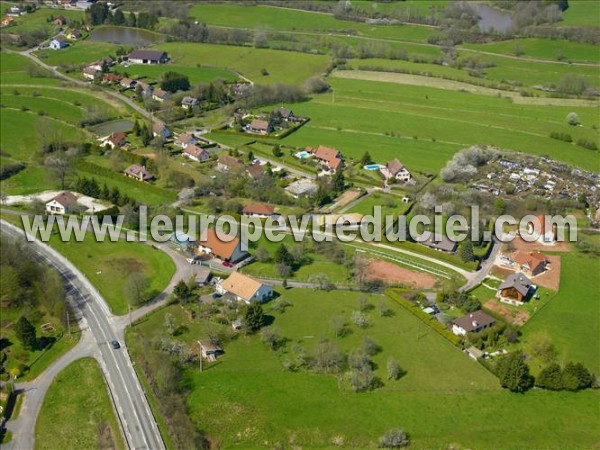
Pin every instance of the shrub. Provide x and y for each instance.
(394, 438)
(566, 137)
(590, 145)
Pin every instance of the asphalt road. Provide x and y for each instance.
(135, 417)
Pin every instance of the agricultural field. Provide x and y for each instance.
(581, 13)
(195, 74)
(15, 70)
(282, 66)
(423, 127)
(267, 17)
(436, 374)
(78, 53)
(41, 20)
(550, 49)
(77, 411)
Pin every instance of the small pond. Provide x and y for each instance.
(113, 126)
(126, 36)
(489, 18)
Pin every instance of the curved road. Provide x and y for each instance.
(134, 413)
(62, 76)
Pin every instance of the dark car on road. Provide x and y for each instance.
(115, 345)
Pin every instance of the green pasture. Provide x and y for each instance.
(195, 74)
(581, 12)
(282, 66)
(78, 53)
(542, 48)
(41, 20)
(267, 17)
(247, 400)
(428, 125)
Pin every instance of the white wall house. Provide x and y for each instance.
(245, 288)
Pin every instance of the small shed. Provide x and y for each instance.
(210, 350)
(474, 353)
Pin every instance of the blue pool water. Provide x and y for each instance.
(372, 167)
(303, 155)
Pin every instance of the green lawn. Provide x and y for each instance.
(543, 48)
(108, 266)
(202, 74)
(246, 400)
(572, 318)
(390, 204)
(282, 66)
(77, 411)
(419, 115)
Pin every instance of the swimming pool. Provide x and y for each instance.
(372, 167)
(303, 154)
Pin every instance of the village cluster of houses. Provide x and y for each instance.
(265, 125)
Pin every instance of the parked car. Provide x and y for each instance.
(227, 264)
(216, 295)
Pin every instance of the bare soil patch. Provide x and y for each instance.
(392, 274)
(551, 278)
(509, 315)
(520, 244)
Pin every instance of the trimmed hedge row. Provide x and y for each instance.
(424, 317)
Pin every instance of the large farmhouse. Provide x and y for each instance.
(147, 57)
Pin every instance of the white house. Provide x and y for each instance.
(189, 102)
(395, 170)
(472, 323)
(195, 153)
(91, 73)
(245, 288)
(59, 42)
(185, 139)
(63, 203)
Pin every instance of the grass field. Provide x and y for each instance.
(282, 66)
(78, 53)
(581, 12)
(572, 319)
(246, 400)
(268, 17)
(40, 20)
(543, 48)
(390, 204)
(429, 125)
(108, 266)
(76, 410)
(195, 74)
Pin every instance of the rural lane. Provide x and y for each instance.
(134, 413)
(62, 76)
